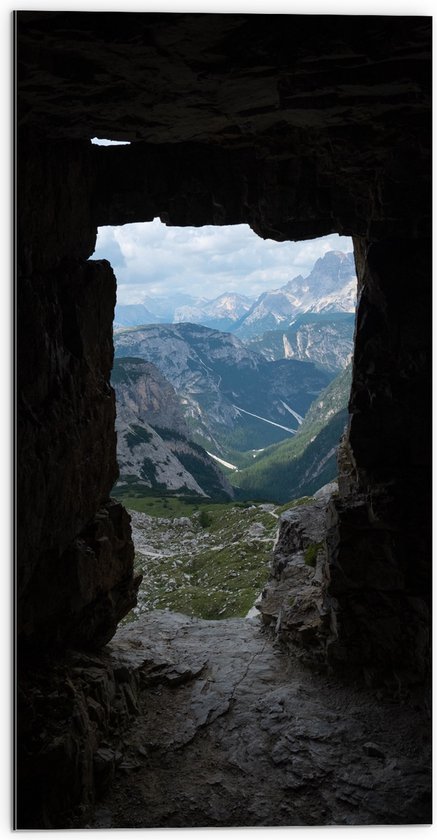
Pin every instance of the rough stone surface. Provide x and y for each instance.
(295, 603)
(241, 735)
(336, 591)
(184, 723)
(66, 453)
(383, 619)
(383, 518)
(72, 712)
(79, 597)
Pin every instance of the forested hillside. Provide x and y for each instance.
(298, 467)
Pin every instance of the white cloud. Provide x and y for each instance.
(152, 259)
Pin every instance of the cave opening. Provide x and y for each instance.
(316, 126)
(224, 342)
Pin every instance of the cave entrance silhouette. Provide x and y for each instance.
(317, 124)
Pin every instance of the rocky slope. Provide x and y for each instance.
(211, 563)
(330, 287)
(153, 447)
(232, 398)
(325, 339)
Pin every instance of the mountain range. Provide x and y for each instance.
(224, 391)
(330, 287)
(233, 399)
(223, 313)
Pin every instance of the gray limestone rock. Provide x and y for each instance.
(251, 738)
(294, 602)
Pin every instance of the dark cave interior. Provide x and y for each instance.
(300, 131)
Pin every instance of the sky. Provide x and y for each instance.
(152, 260)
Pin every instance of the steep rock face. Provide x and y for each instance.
(382, 616)
(383, 518)
(78, 599)
(153, 442)
(330, 287)
(66, 457)
(335, 588)
(294, 602)
(146, 395)
(327, 341)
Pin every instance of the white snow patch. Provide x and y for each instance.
(225, 463)
(298, 417)
(292, 431)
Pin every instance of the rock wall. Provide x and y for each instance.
(74, 549)
(380, 537)
(87, 701)
(308, 130)
(295, 604)
(68, 410)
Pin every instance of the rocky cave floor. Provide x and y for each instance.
(234, 732)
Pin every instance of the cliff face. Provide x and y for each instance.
(153, 438)
(75, 557)
(327, 342)
(307, 130)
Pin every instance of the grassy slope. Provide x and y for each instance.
(214, 567)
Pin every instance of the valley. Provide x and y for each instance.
(232, 398)
(300, 466)
(223, 407)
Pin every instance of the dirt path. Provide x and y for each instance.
(234, 733)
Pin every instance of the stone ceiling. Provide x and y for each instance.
(232, 80)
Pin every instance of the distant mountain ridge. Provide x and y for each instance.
(222, 313)
(191, 397)
(330, 287)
